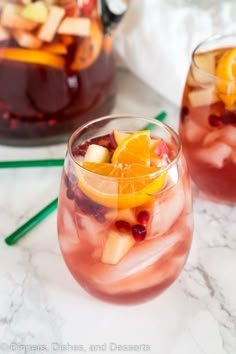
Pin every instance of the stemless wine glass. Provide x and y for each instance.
(208, 118)
(125, 209)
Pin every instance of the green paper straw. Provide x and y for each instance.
(159, 117)
(31, 223)
(42, 214)
(32, 163)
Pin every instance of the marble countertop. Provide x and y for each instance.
(42, 309)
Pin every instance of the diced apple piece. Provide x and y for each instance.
(4, 34)
(119, 136)
(75, 26)
(49, 28)
(202, 97)
(56, 48)
(11, 18)
(117, 245)
(205, 67)
(26, 39)
(36, 11)
(122, 214)
(97, 153)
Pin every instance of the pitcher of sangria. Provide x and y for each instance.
(56, 67)
(208, 118)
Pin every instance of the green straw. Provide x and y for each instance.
(42, 214)
(31, 163)
(31, 223)
(159, 117)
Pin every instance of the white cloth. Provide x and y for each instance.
(156, 38)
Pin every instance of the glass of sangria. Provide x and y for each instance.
(208, 118)
(125, 209)
(56, 68)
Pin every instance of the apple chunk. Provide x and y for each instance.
(35, 11)
(97, 153)
(11, 18)
(116, 247)
(49, 28)
(119, 136)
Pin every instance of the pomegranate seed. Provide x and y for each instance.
(122, 225)
(214, 120)
(184, 112)
(143, 217)
(6, 115)
(70, 193)
(139, 232)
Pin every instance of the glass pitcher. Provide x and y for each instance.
(56, 67)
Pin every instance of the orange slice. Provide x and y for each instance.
(32, 56)
(89, 49)
(120, 186)
(226, 76)
(56, 48)
(134, 149)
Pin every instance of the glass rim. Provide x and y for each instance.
(205, 41)
(163, 125)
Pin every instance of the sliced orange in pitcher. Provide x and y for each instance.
(133, 149)
(226, 77)
(132, 185)
(89, 49)
(32, 56)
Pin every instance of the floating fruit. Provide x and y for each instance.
(126, 190)
(35, 11)
(97, 153)
(89, 49)
(75, 26)
(11, 18)
(117, 245)
(133, 149)
(32, 56)
(48, 30)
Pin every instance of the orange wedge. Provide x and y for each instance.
(89, 49)
(134, 149)
(32, 56)
(131, 185)
(226, 76)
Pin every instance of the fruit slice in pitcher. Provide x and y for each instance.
(226, 74)
(89, 49)
(32, 56)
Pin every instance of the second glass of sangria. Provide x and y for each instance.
(125, 209)
(208, 118)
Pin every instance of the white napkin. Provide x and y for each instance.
(156, 38)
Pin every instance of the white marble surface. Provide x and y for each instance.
(41, 304)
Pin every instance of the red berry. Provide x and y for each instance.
(139, 232)
(214, 120)
(122, 225)
(143, 217)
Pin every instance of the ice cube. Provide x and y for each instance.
(167, 209)
(228, 134)
(211, 137)
(192, 131)
(91, 231)
(214, 155)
